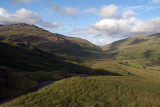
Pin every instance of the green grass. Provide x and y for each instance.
(100, 91)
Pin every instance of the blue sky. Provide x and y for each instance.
(99, 21)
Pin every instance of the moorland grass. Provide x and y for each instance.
(97, 91)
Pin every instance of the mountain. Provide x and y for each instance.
(45, 40)
(145, 49)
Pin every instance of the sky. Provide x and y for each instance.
(98, 21)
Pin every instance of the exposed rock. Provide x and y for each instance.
(23, 44)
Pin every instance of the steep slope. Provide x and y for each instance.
(26, 58)
(41, 39)
(33, 59)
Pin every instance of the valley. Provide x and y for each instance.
(123, 73)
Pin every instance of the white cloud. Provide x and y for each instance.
(146, 27)
(78, 31)
(100, 41)
(91, 10)
(21, 1)
(24, 16)
(115, 26)
(64, 11)
(112, 27)
(121, 28)
(155, 1)
(128, 13)
(108, 11)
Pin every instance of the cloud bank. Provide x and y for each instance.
(26, 16)
(114, 25)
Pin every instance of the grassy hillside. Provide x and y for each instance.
(42, 39)
(39, 65)
(145, 50)
(94, 91)
(35, 60)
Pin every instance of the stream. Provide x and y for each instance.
(42, 84)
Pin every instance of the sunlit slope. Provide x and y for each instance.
(150, 72)
(94, 91)
(143, 48)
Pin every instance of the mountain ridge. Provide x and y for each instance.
(45, 40)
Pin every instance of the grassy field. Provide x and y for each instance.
(97, 91)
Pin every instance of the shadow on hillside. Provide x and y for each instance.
(105, 72)
(35, 60)
(137, 41)
(80, 70)
(114, 45)
(155, 35)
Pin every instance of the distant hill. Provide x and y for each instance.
(45, 40)
(84, 43)
(136, 48)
